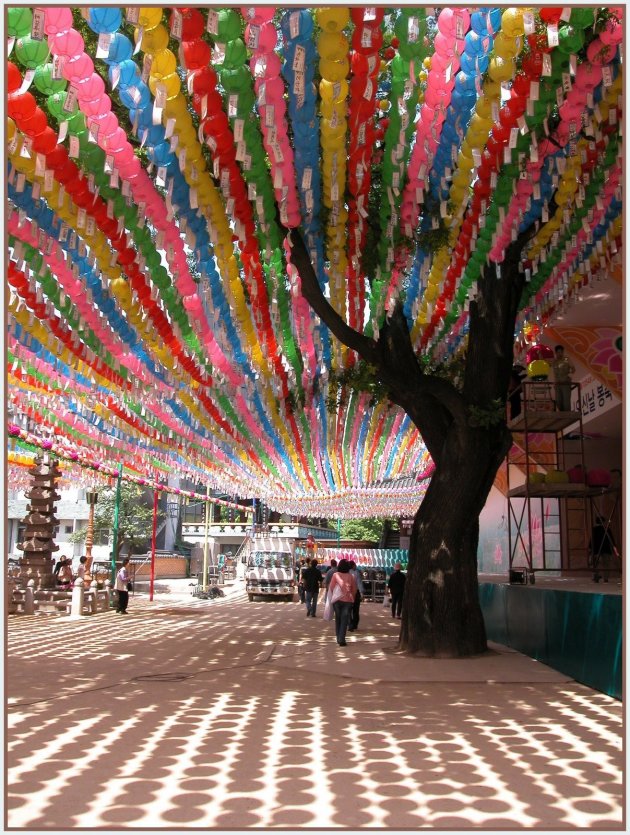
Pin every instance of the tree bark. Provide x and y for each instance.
(467, 437)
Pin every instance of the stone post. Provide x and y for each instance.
(108, 589)
(94, 598)
(29, 598)
(76, 607)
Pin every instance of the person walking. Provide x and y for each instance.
(562, 370)
(64, 575)
(299, 571)
(354, 620)
(396, 586)
(342, 589)
(329, 574)
(123, 586)
(312, 581)
(81, 568)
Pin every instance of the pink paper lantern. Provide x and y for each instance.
(70, 44)
(599, 53)
(90, 88)
(116, 140)
(78, 68)
(448, 21)
(267, 37)
(106, 123)
(258, 14)
(588, 76)
(97, 108)
(57, 20)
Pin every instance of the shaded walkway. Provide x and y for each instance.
(226, 714)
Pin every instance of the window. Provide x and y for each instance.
(67, 528)
(194, 513)
(101, 536)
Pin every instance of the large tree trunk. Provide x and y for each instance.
(441, 610)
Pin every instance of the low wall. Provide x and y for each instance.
(576, 633)
(165, 567)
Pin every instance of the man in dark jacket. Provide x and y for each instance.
(396, 586)
(312, 580)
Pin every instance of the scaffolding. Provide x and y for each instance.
(551, 514)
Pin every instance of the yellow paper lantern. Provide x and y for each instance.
(512, 23)
(332, 18)
(164, 63)
(153, 40)
(334, 92)
(334, 70)
(501, 70)
(149, 17)
(333, 46)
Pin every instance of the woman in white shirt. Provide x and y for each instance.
(122, 587)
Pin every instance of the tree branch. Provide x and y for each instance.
(312, 292)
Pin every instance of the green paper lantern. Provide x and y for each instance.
(55, 106)
(19, 22)
(235, 79)
(229, 25)
(31, 53)
(245, 102)
(235, 53)
(76, 122)
(44, 81)
(570, 39)
(582, 17)
(399, 69)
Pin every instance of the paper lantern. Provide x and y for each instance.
(69, 43)
(14, 78)
(193, 24)
(21, 106)
(332, 18)
(104, 19)
(149, 18)
(30, 52)
(197, 53)
(538, 370)
(44, 81)
(19, 21)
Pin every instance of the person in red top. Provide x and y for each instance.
(343, 590)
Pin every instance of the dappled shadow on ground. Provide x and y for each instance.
(178, 717)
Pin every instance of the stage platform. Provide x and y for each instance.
(572, 624)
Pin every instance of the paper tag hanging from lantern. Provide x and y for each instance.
(71, 102)
(212, 26)
(38, 30)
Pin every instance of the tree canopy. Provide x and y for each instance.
(157, 159)
(135, 516)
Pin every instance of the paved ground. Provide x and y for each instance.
(227, 714)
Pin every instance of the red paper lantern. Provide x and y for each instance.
(192, 25)
(551, 14)
(14, 78)
(196, 54)
(45, 142)
(35, 124)
(357, 15)
(21, 106)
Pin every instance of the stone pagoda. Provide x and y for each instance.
(38, 544)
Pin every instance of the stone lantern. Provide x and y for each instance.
(38, 544)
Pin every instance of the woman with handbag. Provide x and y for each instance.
(123, 587)
(342, 592)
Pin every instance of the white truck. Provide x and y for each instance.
(270, 568)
